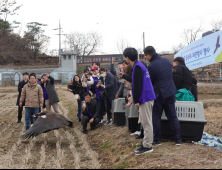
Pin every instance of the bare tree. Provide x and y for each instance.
(9, 8)
(216, 25)
(122, 44)
(86, 44)
(177, 48)
(192, 34)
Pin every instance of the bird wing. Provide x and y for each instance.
(218, 40)
(215, 50)
(47, 123)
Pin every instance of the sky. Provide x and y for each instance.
(162, 21)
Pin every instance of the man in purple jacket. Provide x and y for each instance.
(143, 96)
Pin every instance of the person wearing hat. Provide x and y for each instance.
(20, 87)
(96, 64)
(95, 79)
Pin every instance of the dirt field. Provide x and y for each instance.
(59, 149)
(107, 147)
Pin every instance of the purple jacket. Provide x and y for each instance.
(147, 93)
(97, 90)
(46, 97)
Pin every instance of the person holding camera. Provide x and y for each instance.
(78, 90)
(53, 99)
(111, 89)
(90, 112)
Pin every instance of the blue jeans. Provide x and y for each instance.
(101, 107)
(80, 109)
(167, 105)
(29, 112)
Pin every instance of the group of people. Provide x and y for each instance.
(101, 87)
(151, 88)
(35, 95)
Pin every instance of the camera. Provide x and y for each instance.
(84, 103)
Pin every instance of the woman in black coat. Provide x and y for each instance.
(78, 90)
(181, 75)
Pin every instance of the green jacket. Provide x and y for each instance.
(184, 95)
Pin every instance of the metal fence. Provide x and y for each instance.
(10, 77)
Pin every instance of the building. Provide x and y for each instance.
(69, 60)
(107, 58)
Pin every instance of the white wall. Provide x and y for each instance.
(69, 63)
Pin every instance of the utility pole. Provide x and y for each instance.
(144, 41)
(144, 44)
(60, 39)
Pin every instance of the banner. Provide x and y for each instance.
(203, 52)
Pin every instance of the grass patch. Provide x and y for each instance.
(123, 166)
(106, 145)
(117, 160)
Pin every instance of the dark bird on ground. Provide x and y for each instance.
(217, 45)
(46, 122)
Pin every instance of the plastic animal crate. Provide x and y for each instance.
(119, 110)
(192, 121)
(132, 116)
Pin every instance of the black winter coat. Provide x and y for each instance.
(50, 88)
(94, 107)
(77, 88)
(111, 86)
(161, 75)
(20, 87)
(182, 77)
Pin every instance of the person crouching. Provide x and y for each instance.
(90, 112)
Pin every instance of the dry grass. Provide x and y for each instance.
(214, 117)
(107, 147)
(58, 150)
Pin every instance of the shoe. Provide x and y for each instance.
(108, 123)
(138, 150)
(102, 121)
(136, 133)
(19, 121)
(85, 132)
(157, 143)
(111, 123)
(80, 120)
(178, 143)
(93, 128)
(142, 150)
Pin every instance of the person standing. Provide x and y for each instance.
(194, 87)
(94, 81)
(111, 89)
(20, 87)
(182, 76)
(32, 94)
(78, 90)
(143, 97)
(52, 94)
(161, 74)
(46, 96)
